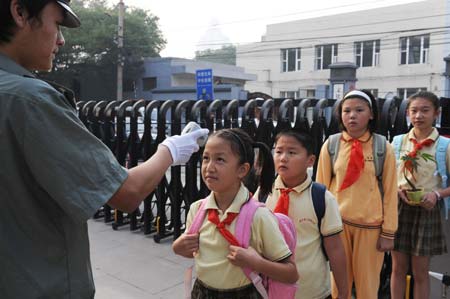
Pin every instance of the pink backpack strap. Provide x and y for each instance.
(198, 218)
(193, 229)
(244, 221)
(242, 233)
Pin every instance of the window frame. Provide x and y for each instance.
(408, 91)
(319, 59)
(375, 52)
(285, 60)
(407, 50)
(284, 94)
(149, 83)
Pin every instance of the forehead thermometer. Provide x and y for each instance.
(191, 127)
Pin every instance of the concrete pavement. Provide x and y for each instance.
(130, 265)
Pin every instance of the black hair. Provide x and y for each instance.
(303, 138)
(243, 146)
(7, 23)
(372, 125)
(427, 95)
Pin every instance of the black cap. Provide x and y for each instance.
(71, 20)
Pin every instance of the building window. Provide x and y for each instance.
(148, 83)
(310, 93)
(289, 94)
(407, 92)
(414, 49)
(367, 53)
(326, 55)
(306, 93)
(290, 59)
(373, 91)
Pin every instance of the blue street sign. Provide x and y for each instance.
(205, 89)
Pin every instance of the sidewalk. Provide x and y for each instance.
(130, 265)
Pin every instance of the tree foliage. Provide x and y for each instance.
(226, 55)
(92, 48)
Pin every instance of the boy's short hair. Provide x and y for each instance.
(34, 9)
(305, 139)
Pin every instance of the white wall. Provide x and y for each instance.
(387, 24)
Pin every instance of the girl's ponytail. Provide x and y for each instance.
(266, 171)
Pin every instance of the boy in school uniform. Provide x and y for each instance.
(291, 195)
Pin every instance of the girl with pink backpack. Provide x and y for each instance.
(229, 256)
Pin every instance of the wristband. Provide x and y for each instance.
(437, 194)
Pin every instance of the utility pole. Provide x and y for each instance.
(120, 61)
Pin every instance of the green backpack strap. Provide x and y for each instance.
(333, 148)
(379, 155)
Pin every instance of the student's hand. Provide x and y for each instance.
(181, 147)
(243, 257)
(429, 200)
(384, 244)
(402, 195)
(186, 245)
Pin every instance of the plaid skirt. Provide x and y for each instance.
(202, 291)
(420, 231)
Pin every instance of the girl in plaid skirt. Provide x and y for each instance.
(420, 234)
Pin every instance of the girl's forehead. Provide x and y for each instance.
(420, 102)
(216, 143)
(355, 102)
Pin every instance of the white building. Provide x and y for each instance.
(398, 49)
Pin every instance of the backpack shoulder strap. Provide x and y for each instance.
(198, 218)
(193, 229)
(242, 233)
(441, 151)
(379, 155)
(397, 145)
(318, 199)
(244, 221)
(333, 147)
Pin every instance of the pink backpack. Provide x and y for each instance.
(267, 287)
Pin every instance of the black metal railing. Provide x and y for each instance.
(132, 129)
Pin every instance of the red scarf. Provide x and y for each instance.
(213, 216)
(419, 145)
(283, 201)
(355, 164)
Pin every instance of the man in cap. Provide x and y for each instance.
(54, 173)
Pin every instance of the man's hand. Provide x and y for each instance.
(181, 147)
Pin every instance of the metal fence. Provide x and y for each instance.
(132, 129)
